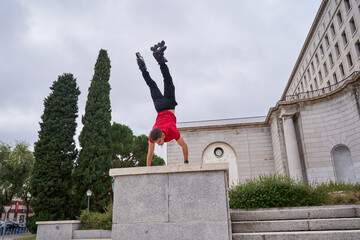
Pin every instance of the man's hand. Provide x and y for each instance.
(150, 154)
(182, 143)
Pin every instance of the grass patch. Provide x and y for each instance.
(26, 238)
(341, 193)
(281, 191)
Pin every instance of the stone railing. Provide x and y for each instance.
(319, 92)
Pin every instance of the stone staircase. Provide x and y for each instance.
(91, 235)
(316, 223)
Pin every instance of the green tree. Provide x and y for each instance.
(122, 146)
(55, 152)
(94, 163)
(15, 165)
(130, 150)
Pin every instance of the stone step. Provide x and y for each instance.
(91, 234)
(313, 235)
(341, 211)
(91, 239)
(296, 225)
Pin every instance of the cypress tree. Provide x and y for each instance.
(55, 152)
(92, 170)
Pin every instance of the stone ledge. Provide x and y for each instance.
(58, 222)
(172, 168)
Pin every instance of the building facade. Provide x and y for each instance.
(17, 212)
(313, 132)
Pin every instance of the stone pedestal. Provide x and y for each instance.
(171, 202)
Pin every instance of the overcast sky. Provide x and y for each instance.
(228, 58)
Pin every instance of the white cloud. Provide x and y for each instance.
(227, 58)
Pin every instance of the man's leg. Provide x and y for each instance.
(158, 53)
(169, 88)
(154, 90)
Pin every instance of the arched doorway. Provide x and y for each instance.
(344, 169)
(222, 152)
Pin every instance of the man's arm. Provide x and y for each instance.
(182, 143)
(150, 153)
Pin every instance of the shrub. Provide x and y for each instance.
(96, 220)
(274, 191)
(31, 224)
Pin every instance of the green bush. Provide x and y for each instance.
(96, 220)
(274, 191)
(31, 224)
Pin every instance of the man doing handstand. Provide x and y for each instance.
(165, 128)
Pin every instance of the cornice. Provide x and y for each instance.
(340, 91)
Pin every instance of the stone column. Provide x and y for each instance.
(292, 149)
(171, 202)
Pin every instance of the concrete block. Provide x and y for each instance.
(171, 202)
(269, 226)
(296, 225)
(314, 235)
(295, 213)
(140, 198)
(334, 224)
(91, 234)
(192, 195)
(56, 230)
(172, 230)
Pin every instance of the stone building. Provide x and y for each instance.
(17, 212)
(313, 132)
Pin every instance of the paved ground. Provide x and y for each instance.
(16, 236)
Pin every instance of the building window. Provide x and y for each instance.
(339, 17)
(349, 59)
(305, 80)
(308, 73)
(337, 49)
(327, 42)
(312, 67)
(311, 87)
(357, 47)
(342, 71)
(335, 77)
(352, 26)
(347, 5)
(219, 152)
(320, 77)
(343, 164)
(332, 29)
(316, 84)
(325, 69)
(331, 60)
(317, 59)
(321, 50)
(328, 83)
(344, 38)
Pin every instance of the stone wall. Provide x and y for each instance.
(315, 139)
(326, 125)
(252, 146)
